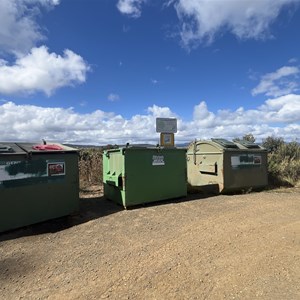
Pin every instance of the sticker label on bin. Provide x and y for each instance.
(26, 172)
(56, 168)
(245, 160)
(158, 160)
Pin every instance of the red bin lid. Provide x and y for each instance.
(47, 147)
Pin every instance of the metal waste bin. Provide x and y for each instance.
(136, 175)
(37, 183)
(220, 165)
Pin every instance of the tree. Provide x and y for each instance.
(247, 137)
(272, 143)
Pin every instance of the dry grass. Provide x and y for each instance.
(90, 167)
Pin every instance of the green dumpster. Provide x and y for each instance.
(136, 175)
(37, 183)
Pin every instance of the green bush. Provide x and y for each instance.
(283, 162)
(272, 143)
(247, 137)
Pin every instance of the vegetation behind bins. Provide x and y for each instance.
(283, 162)
(90, 167)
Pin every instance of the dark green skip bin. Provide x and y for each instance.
(36, 185)
(137, 175)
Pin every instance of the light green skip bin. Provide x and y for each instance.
(36, 185)
(223, 166)
(137, 175)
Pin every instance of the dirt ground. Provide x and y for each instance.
(221, 247)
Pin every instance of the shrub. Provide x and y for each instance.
(272, 144)
(247, 137)
(90, 167)
(283, 162)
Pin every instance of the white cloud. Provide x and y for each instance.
(32, 123)
(293, 60)
(280, 117)
(283, 109)
(202, 20)
(113, 97)
(42, 71)
(34, 69)
(281, 82)
(131, 8)
(161, 112)
(19, 31)
(203, 116)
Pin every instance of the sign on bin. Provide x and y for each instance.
(158, 160)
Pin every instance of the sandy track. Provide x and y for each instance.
(232, 247)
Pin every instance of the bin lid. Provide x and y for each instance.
(225, 143)
(10, 148)
(249, 145)
(24, 148)
(36, 148)
(5, 148)
(47, 147)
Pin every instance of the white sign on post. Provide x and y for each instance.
(166, 125)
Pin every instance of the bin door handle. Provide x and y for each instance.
(113, 179)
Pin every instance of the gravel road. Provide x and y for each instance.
(221, 247)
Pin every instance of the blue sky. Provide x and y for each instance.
(101, 71)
